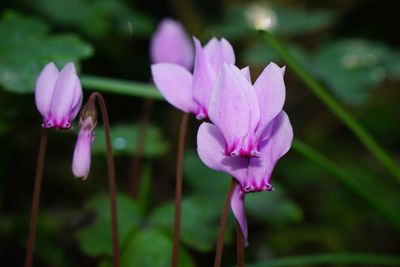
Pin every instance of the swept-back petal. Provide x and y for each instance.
(237, 206)
(175, 84)
(63, 97)
(210, 147)
(219, 52)
(229, 109)
(277, 144)
(77, 100)
(171, 44)
(246, 73)
(44, 88)
(270, 88)
(203, 80)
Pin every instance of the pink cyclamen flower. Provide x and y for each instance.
(243, 112)
(171, 44)
(58, 96)
(274, 132)
(191, 92)
(83, 149)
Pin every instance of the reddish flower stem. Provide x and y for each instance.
(178, 189)
(36, 199)
(111, 174)
(222, 225)
(239, 246)
(139, 147)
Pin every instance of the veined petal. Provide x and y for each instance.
(171, 44)
(272, 149)
(229, 109)
(63, 97)
(270, 88)
(203, 79)
(82, 154)
(44, 88)
(237, 206)
(218, 53)
(210, 147)
(175, 84)
(246, 73)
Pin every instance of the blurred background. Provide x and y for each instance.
(351, 46)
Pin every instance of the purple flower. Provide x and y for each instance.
(171, 44)
(83, 149)
(243, 114)
(58, 96)
(191, 92)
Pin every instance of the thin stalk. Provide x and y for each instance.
(140, 143)
(332, 259)
(111, 174)
(222, 225)
(322, 93)
(118, 86)
(36, 198)
(239, 246)
(178, 189)
(348, 180)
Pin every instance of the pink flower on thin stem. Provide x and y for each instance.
(246, 111)
(58, 96)
(171, 44)
(191, 92)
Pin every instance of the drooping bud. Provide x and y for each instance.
(83, 148)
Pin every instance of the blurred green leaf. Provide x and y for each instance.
(96, 18)
(25, 47)
(353, 67)
(151, 248)
(96, 239)
(200, 221)
(239, 20)
(123, 139)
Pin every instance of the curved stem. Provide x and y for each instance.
(322, 93)
(178, 189)
(239, 246)
(36, 198)
(140, 143)
(222, 225)
(111, 174)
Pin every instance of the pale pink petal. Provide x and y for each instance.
(63, 97)
(229, 109)
(246, 73)
(277, 144)
(77, 100)
(210, 147)
(237, 206)
(82, 154)
(219, 52)
(270, 88)
(171, 44)
(203, 79)
(175, 84)
(44, 89)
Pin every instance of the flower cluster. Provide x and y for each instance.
(249, 131)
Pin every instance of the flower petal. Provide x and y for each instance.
(77, 100)
(203, 79)
(44, 88)
(175, 84)
(171, 44)
(218, 53)
(270, 88)
(82, 154)
(63, 97)
(272, 149)
(246, 73)
(237, 206)
(210, 147)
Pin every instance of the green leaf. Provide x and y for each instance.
(96, 18)
(353, 67)
(26, 47)
(96, 239)
(200, 221)
(151, 248)
(124, 137)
